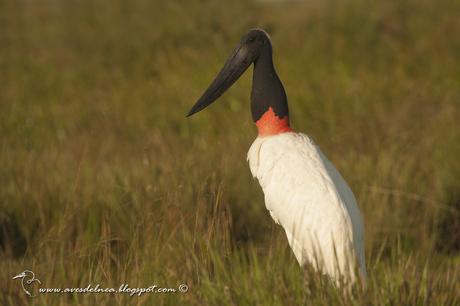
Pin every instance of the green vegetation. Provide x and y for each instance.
(104, 181)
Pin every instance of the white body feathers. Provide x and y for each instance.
(308, 197)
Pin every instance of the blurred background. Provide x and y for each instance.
(104, 181)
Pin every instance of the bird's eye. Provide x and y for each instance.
(251, 39)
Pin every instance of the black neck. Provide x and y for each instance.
(267, 89)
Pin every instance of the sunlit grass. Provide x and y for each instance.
(104, 181)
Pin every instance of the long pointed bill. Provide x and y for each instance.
(236, 64)
(19, 276)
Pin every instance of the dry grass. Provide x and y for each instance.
(104, 181)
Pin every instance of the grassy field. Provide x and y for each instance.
(104, 181)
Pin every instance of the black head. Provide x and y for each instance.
(254, 41)
(246, 52)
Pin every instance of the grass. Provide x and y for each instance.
(103, 180)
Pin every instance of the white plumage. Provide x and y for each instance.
(304, 192)
(308, 197)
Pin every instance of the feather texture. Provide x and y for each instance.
(308, 197)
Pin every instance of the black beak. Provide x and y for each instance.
(236, 64)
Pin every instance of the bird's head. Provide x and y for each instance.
(20, 275)
(25, 273)
(245, 53)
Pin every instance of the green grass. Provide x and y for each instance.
(103, 180)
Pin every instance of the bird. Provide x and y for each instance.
(27, 283)
(303, 191)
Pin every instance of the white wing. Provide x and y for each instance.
(309, 198)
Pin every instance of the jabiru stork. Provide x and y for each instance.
(304, 192)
